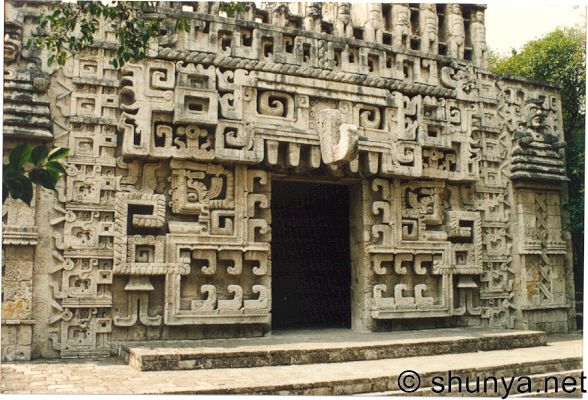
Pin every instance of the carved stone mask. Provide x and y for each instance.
(313, 9)
(535, 115)
(12, 41)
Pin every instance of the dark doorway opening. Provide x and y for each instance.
(311, 266)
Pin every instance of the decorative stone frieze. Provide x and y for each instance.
(162, 227)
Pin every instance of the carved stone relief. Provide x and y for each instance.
(164, 218)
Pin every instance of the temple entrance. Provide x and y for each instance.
(311, 266)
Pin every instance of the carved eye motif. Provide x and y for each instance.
(193, 197)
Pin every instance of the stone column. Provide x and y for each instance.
(19, 239)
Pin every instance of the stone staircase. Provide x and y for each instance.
(314, 347)
(340, 362)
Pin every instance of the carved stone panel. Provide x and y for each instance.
(162, 226)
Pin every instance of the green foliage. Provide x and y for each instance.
(68, 28)
(576, 168)
(27, 166)
(233, 8)
(493, 59)
(560, 58)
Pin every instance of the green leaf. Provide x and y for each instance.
(39, 154)
(54, 176)
(20, 155)
(9, 171)
(17, 185)
(54, 166)
(27, 194)
(58, 153)
(16, 188)
(43, 177)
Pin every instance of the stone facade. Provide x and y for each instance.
(162, 227)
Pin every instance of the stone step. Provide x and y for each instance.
(577, 393)
(381, 376)
(535, 386)
(319, 347)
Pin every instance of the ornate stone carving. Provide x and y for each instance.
(478, 39)
(401, 26)
(454, 31)
(418, 248)
(343, 23)
(163, 224)
(313, 17)
(339, 142)
(429, 28)
(542, 247)
(26, 105)
(537, 150)
(374, 27)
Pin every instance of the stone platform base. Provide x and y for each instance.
(319, 346)
(559, 360)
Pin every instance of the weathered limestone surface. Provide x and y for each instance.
(162, 227)
(320, 347)
(558, 360)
